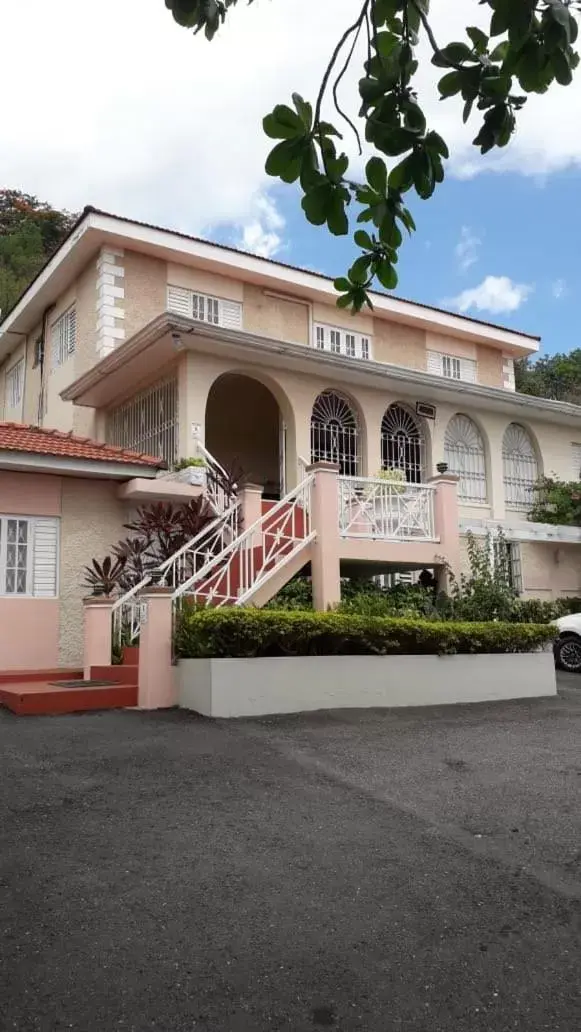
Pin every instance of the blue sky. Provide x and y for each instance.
(504, 225)
(166, 128)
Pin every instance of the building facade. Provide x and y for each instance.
(169, 345)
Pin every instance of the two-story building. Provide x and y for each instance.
(165, 344)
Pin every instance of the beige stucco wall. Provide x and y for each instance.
(550, 571)
(206, 282)
(399, 344)
(490, 369)
(275, 317)
(448, 345)
(92, 522)
(145, 284)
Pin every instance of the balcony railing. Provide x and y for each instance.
(375, 509)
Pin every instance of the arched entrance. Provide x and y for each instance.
(335, 435)
(245, 431)
(403, 443)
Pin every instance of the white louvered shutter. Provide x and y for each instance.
(45, 557)
(71, 331)
(179, 300)
(231, 315)
(576, 450)
(434, 363)
(468, 370)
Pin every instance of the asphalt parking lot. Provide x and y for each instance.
(371, 870)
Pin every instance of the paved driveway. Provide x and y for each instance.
(378, 871)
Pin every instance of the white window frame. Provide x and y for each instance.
(576, 460)
(514, 560)
(64, 337)
(204, 308)
(14, 385)
(452, 367)
(34, 565)
(339, 341)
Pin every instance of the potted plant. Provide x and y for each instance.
(104, 579)
(191, 470)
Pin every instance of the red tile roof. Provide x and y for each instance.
(35, 440)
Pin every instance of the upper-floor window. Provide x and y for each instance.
(451, 367)
(203, 308)
(14, 385)
(576, 461)
(342, 342)
(28, 556)
(64, 337)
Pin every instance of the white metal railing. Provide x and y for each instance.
(376, 509)
(219, 489)
(128, 610)
(233, 576)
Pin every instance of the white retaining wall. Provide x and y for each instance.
(253, 687)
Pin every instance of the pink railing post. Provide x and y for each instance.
(325, 567)
(156, 673)
(98, 633)
(447, 522)
(250, 496)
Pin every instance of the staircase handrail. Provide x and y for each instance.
(246, 534)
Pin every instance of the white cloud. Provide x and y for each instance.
(144, 119)
(467, 248)
(496, 294)
(559, 289)
(261, 233)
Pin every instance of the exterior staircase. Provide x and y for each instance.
(44, 692)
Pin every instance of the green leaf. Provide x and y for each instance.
(362, 239)
(386, 274)
(283, 123)
(561, 68)
(479, 39)
(345, 300)
(304, 111)
(453, 54)
(376, 173)
(342, 284)
(359, 271)
(434, 141)
(315, 204)
(401, 177)
(284, 161)
(450, 84)
(337, 220)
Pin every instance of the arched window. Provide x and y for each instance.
(519, 466)
(464, 453)
(403, 444)
(335, 433)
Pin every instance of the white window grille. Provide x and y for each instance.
(14, 385)
(28, 556)
(576, 461)
(403, 444)
(148, 422)
(335, 433)
(64, 337)
(452, 368)
(464, 453)
(520, 468)
(341, 342)
(203, 308)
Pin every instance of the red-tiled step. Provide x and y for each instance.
(27, 676)
(122, 673)
(36, 697)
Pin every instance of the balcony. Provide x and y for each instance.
(371, 509)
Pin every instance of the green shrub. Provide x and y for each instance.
(233, 632)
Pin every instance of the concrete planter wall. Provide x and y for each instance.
(253, 687)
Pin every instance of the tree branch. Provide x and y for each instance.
(325, 82)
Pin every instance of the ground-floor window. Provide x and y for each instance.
(28, 556)
(514, 565)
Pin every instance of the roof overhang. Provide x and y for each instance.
(168, 335)
(543, 533)
(28, 462)
(97, 229)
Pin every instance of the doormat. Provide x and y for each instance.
(84, 684)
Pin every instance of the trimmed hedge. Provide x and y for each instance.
(239, 633)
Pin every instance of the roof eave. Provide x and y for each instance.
(60, 465)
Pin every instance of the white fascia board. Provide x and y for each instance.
(548, 533)
(27, 462)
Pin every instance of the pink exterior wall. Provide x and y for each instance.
(30, 494)
(29, 633)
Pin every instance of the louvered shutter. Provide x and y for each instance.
(468, 370)
(231, 315)
(435, 363)
(45, 557)
(576, 449)
(179, 300)
(71, 331)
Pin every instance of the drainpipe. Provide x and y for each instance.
(42, 363)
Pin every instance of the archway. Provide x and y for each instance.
(335, 434)
(245, 431)
(403, 443)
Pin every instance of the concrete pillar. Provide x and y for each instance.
(325, 567)
(250, 496)
(156, 672)
(447, 520)
(98, 633)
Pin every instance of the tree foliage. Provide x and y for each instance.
(557, 377)
(527, 48)
(30, 230)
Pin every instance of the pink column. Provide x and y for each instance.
(325, 549)
(156, 672)
(447, 519)
(97, 644)
(250, 496)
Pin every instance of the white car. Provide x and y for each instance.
(567, 647)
